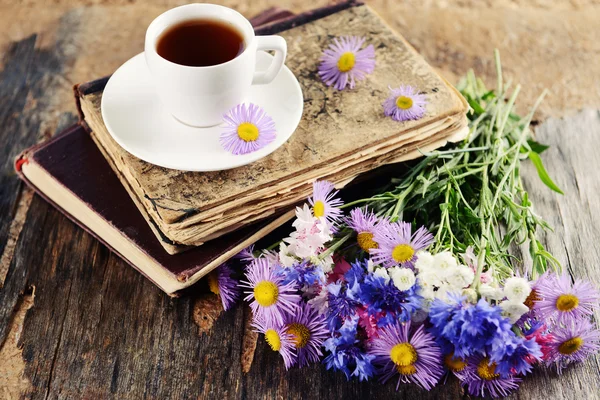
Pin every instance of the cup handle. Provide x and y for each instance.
(278, 44)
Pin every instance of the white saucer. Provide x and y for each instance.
(134, 116)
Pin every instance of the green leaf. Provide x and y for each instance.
(475, 106)
(537, 161)
(537, 147)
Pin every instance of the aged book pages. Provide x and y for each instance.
(342, 134)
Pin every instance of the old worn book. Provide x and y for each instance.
(70, 172)
(342, 133)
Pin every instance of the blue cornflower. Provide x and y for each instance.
(342, 303)
(346, 353)
(514, 355)
(467, 329)
(303, 274)
(356, 273)
(381, 296)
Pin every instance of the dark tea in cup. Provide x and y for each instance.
(200, 43)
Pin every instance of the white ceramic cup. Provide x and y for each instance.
(199, 96)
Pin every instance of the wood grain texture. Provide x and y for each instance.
(100, 330)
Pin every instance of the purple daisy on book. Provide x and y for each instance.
(309, 331)
(397, 246)
(279, 340)
(414, 356)
(248, 128)
(364, 223)
(405, 103)
(481, 378)
(563, 301)
(573, 343)
(221, 283)
(323, 201)
(270, 298)
(344, 62)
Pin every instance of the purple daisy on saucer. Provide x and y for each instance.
(365, 223)
(309, 331)
(415, 356)
(405, 103)
(563, 301)
(481, 378)
(324, 203)
(248, 128)
(573, 343)
(221, 283)
(271, 299)
(278, 339)
(397, 246)
(345, 63)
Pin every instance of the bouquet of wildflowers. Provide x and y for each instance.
(417, 282)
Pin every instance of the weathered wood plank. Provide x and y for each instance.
(28, 79)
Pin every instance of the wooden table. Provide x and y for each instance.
(77, 322)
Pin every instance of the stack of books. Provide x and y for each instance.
(176, 226)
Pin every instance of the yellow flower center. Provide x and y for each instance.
(300, 334)
(570, 346)
(487, 371)
(346, 61)
(404, 102)
(404, 356)
(455, 364)
(213, 283)
(266, 293)
(319, 209)
(403, 253)
(567, 302)
(366, 242)
(273, 339)
(247, 131)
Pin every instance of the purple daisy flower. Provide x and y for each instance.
(309, 331)
(481, 378)
(323, 202)
(221, 283)
(563, 301)
(246, 255)
(271, 299)
(344, 62)
(364, 223)
(415, 357)
(573, 343)
(248, 129)
(405, 103)
(278, 339)
(397, 246)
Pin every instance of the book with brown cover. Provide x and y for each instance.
(70, 172)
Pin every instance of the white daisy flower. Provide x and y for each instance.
(513, 310)
(382, 273)
(403, 278)
(517, 289)
(460, 277)
(424, 261)
(491, 292)
(444, 263)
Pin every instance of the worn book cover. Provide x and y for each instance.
(70, 172)
(342, 133)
